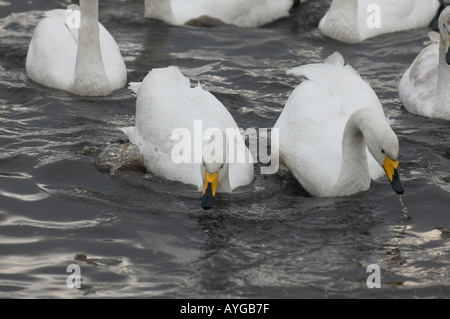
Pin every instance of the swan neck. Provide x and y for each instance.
(225, 185)
(354, 174)
(443, 92)
(88, 35)
(219, 146)
(90, 75)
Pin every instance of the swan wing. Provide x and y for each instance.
(243, 13)
(398, 15)
(113, 62)
(310, 128)
(356, 21)
(52, 52)
(343, 82)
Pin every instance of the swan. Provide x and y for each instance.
(333, 135)
(249, 13)
(184, 134)
(423, 88)
(84, 61)
(354, 21)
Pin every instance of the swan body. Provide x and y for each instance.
(167, 106)
(242, 13)
(423, 89)
(334, 137)
(84, 61)
(354, 21)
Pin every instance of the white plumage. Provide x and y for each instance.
(424, 88)
(166, 103)
(314, 130)
(84, 61)
(242, 13)
(353, 21)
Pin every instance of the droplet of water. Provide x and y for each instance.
(404, 211)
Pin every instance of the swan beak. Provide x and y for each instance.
(210, 183)
(390, 167)
(447, 47)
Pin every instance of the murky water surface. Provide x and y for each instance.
(137, 235)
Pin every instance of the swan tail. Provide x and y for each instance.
(335, 59)
(332, 69)
(57, 13)
(434, 38)
(134, 86)
(129, 131)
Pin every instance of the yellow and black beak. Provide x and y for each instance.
(390, 167)
(210, 183)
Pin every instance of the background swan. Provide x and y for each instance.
(84, 61)
(243, 13)
(325, 126)
(424, 88)
(346, 20)
(168, 106)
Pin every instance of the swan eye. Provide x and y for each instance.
(382, 151)
(221, 166)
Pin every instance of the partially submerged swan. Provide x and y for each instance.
(424, 88)
(250, 13)
(334, 136)
(354, 21)
(84, 61)
(167, 110)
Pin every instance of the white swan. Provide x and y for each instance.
(183, 133)
(353, 21)
(424, 88)
(84, 61)
(325, 127)
(249, 13)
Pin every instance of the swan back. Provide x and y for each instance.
(53, 51)
(251, 13)
(351, 21)
(343, 83)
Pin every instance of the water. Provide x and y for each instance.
(136, 235)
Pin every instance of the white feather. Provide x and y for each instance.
(52, 56)
(243, 13)
(167, 102)
(312, 122)
(423, 89)
(353, 21)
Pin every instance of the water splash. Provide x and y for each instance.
(404, 208)
(406, 217)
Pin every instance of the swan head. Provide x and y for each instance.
(383, 144)
(444, 29)
(214, 167)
